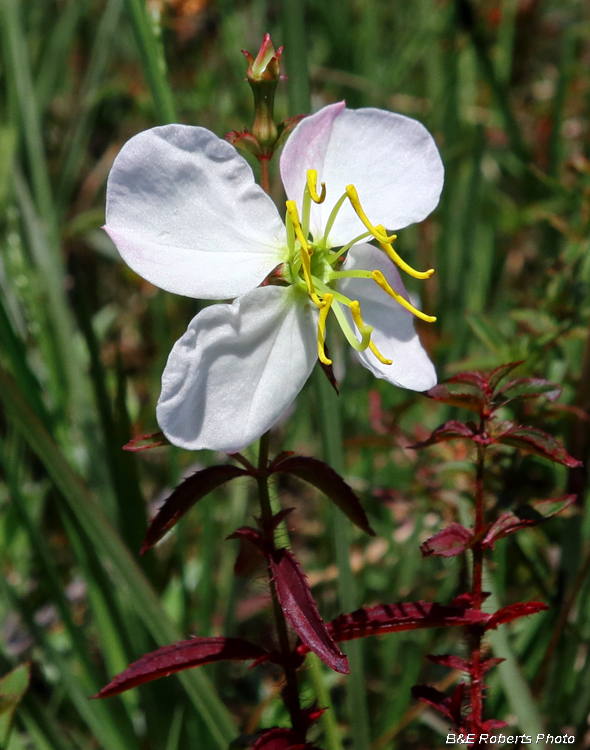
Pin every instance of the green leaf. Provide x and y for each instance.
(13, 686)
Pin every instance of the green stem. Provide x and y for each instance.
(291, 690)
(333, 449)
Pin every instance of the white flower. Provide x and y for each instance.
(186, 214)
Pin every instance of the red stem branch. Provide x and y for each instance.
(476, 687)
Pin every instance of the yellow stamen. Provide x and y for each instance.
(379, 356)
(378, 232)
(399, 261)
(324, 310)
(382, 282)
(364, 329)
(306, 251)
(312, 184)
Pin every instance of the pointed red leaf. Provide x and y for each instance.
(497, 375)
(456, 703)
(444, 395)
(447, 431)
(301, 611)
(449, 542)
(253, 536)
(448, 706)
(325, 479)
(189, 492)
(526, 515)
(491, 724)
(475, 379)
(278, 738)
(529, 388)
(178, 656)
(452, 662)
(490, 664)
(533, 440)
(393, 618)
(514, 612)
(250, 557)
(139, 443)
(277, 519)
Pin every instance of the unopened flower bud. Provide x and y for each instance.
(263, 76)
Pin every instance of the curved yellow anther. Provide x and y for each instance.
(399, 261)
(379, 356)
(312, 186)
(324, 310)
(378, 232)
(382, 282)
(364, 329)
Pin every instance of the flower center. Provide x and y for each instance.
(313, 265)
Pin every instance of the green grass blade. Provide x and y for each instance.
(152, 57)
(108, 544)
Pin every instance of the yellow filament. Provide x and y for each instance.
(364, 329)
(378, 232)
(305, 251)
(382, 282)
(324, 310)
(399, 261)
(379, 356)
(312, 185)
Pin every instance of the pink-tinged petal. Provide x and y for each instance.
(306, 149)
(185, 213)
(392, 160)
(394, 334)
(237, 369)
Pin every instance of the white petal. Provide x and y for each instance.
(392, 161)
(237, 369)
(185, 213)
(393, 333)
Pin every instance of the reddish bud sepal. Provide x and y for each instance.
(301, 611)
(535, 441)
(179, 656)
(185, 496)
(525, 516)
(145, 442)
(449, 542)
(326, 480)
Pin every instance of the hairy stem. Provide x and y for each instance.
(291, 690)
(476, 633)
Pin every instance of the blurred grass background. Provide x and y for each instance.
(504, 87)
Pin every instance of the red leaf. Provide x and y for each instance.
(514, 612)
(475, 379)
(135, 445)
(253, 536)
(491, 724)
(300, 609)
(525, 516)
(449, 542)
(178, 656)
(393, 618)
(452, 662)
(325, 479)
(530, 388)
(448, 706)
(490, 664)
(533, 440)
(444, 395)
(249, 558)
(277, 519)
(278, 738)
(497, 375)
(456, 703)
(447, 431)
(185, 496)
